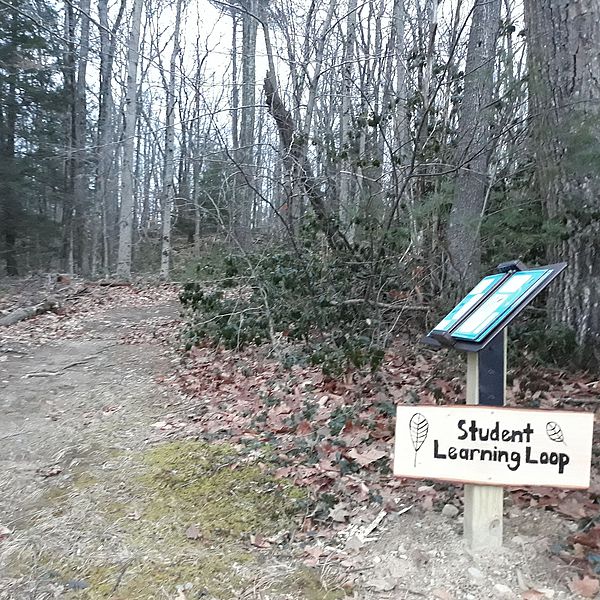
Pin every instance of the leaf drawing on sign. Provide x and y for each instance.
(554, 431)
(419, 426)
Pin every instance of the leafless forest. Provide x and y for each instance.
(224, 227)
(418, 142)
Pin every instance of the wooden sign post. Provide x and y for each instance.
(492, 446)
(486, 385)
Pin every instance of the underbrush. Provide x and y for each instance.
(315, 307)
(535, 343)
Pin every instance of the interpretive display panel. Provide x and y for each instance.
(499, 303)
(468, 302)
(489, 307)
(483, 444)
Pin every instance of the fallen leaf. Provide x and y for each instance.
(259, 541)
(303, 428)
(382, 584)
(314, 551)
(533, 595)
(587, 587)
(50, 471)
(339, 513)
(589, 538)
(427, 503)
(571, 507)
(4, 532)
(354, 543)
(366, 458)
(441, 594)
(193, 533)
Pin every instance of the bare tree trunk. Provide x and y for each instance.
(9, 196)
(473, 153)
(564, 46)
(376, 99)
(106, 149)
(149, 154)
(294, 146)
(80, 185)
(127, 183)
(428, 18)
(169, 170)
(69, 196)
(245, 183)
(401, 138)
(296, 160)
(197, 162)
(347, 205)
(235, 92)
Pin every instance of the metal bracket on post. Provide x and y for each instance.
(492, 371)
(486, 384)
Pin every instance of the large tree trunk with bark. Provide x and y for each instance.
(69, 73)
(9, 198)
(80, 171)
(564, 63)
(474, 145)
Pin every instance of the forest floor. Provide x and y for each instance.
(129, 470)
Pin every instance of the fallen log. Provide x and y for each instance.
(20, 314)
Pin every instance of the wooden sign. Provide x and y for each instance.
(494, 446)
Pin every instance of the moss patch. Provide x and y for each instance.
(211, 486)
(142, 512)
(310, 586)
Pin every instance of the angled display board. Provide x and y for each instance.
(498, 304)
(469, 302)
(490, 306)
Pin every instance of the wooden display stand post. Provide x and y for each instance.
(486, 385)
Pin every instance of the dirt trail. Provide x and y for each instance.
(66, 407)
(97, 500)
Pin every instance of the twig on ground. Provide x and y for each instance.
(586, 400)
(394, 306)
(83, 361)
(120, 576)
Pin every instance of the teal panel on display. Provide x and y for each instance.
(499, 304)
(470, 300)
